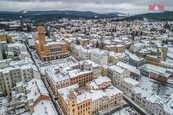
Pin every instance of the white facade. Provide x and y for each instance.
(84, 54)
(120, 78)
(99, 56)
(90, 65)
(152, 103)
(16, 72)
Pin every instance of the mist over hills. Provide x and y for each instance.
(54, 15)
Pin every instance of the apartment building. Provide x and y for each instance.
(151, 102)
(16, 72)
(134, 72)
(92, 66)
(74, 101)
(5, 37)
(120, 78)
(120, 48)
(58, 77)
(135, 60)
(99, 83)
(99, 56)
(84, 53)
(36, 101)
(104, 70)
(116, 74)
(155, 72)
(115, 57)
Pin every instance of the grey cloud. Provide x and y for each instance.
(125, 6)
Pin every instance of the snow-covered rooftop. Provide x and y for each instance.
(131, 81)
(44, 107)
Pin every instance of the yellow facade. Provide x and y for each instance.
(113, 59)
(50, 50)
(82, 79)
(6, 38)
(104, 71)
(74, 108)
(152, 60)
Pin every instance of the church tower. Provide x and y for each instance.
(164, 53)
(41, 37)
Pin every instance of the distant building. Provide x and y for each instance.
(155, 72)
(92, 66)
(99, 56)
(136, 61)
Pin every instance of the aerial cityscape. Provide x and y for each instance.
(94, 57)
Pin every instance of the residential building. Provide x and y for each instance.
(134, 72)
(99, 83)
(151, 102)
(120, 78)
(115, 57)
(73, 102)
(92, 66)
(155, 72)
(6, 38)
(99, 56)
(16, 71)
(36, 99)
(58, 77)
(135, 60)
(120, 48)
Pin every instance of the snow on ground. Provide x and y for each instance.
(125, 111)
(3, 106)
(148, 83)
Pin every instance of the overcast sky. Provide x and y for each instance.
(100, 6)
